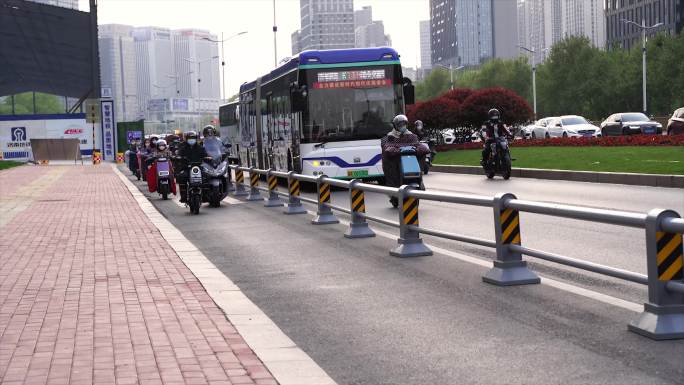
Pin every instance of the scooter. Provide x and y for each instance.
(499, 161)
(410, 172)
(160, 177)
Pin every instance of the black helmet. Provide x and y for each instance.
(161, 145)
(494, 115)
(190, 135)
(208, 130)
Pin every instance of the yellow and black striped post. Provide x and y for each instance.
(663, 315)
(254, 194)
(358, 227)
(669, 256)
(509, 268)
(294, 205)
(273, 199)
(239, 183)
(410, 244)
(324, 214)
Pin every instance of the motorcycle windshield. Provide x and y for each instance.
(214, 148)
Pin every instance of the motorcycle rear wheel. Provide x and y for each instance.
(195, 202)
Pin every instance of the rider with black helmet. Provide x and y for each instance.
(189, 152)
(494, 128)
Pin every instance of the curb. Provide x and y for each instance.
(288, 364)
(652, 180)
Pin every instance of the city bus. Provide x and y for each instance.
(228, 122)
(322, 113)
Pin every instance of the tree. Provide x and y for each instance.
(434, 85)
(438, 113)
(458, 94)
(514, 109)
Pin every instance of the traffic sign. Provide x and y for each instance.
(92, 110)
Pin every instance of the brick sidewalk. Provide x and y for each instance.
(90, 293)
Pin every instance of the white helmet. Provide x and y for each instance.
(400, 120)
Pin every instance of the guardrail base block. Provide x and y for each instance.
(254, 196)
(411, 248)
(273, 202)
(660, 322)
(510, 273)
(359, 230)
(294, 209)
(324, 219)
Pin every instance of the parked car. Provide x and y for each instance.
(628, 123)
(675, 126)
(571, 126)
(541, 128)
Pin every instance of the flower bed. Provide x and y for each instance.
(611, 141)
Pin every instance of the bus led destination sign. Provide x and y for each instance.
(352, 79)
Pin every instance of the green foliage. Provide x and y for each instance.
(578, 78)
(642, 159)
(434, 85)
(23, 104)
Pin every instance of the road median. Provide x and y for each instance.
(653, 180)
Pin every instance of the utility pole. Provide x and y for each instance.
(275, 32)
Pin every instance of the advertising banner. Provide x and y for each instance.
(108, 123)
(16, 133)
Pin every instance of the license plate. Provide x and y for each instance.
(357, 173)
(649, 131)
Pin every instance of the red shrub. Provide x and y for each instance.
(458, 94)
(513, 108)
(611, 141)
(438, 113)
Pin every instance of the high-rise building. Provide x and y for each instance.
(157, 76)
(326, 24)
(504, 29)
(621, 34)
(585, 18)
(542, 23)
(118, 73)
(369, 33)
(463, 34)
(73, 4)
(196, 54)
(425, 51)
(296, 47)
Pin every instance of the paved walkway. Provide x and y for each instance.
(91, 293)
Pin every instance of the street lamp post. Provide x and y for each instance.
(451, 72)
(643, 28)
(223, 59)
(275, 33)
(534, 79)
(199, 80)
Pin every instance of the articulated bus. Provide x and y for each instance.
(320, 113)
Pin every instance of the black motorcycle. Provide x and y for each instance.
(215, 170)
(499, 161)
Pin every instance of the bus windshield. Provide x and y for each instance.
(351, 104)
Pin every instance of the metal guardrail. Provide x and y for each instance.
(663, 315)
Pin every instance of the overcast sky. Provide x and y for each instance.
(251, 55)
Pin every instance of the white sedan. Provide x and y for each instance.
(572, 126)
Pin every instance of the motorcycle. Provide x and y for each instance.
(132, 157)
(499, 161)
(410, 172)
(160, 177)
(195, 188)
(215, 168)
(430, 157)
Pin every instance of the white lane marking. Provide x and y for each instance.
(635, 307)
(288, 364)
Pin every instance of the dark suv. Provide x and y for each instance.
(675, 126)
(628, 123)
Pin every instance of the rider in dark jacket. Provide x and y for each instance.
(189, 152)
(391, 146)
(494, 128)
